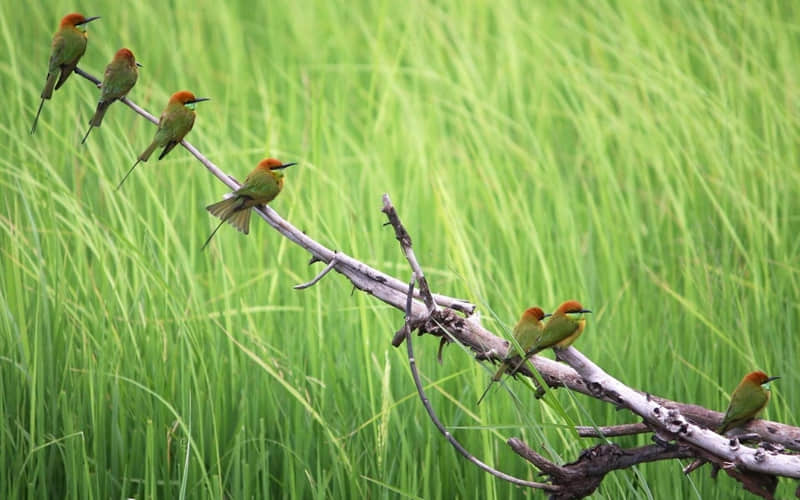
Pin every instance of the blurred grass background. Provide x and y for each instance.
(640, 157)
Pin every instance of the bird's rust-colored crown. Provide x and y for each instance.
(75, 19)
(124, 53)
(182, 96)
(273, 164)
(185, 97)
(570, 306)
(72, 19)
(758, 377)
(533, 312)
(270, 163)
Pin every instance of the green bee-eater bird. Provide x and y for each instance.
(527, 332)
(69, 44)
(260, 187)
(175, 122)
(119, 78)
(747, 400)
(565, 326)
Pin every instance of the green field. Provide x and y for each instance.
(638, 156)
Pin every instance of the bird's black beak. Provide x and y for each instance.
(87, 20)
(584, 311)
(547, 315)
(280, 167)
(198, 99)
(139, 64)
(771, 379)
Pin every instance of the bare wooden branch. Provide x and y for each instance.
(613, 430)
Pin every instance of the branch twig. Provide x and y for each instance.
(318, 277)
(405, 244)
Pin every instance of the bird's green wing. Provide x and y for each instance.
(119, 79)
(556, 330)
(262, 187)
(527, 334)
(745, 403)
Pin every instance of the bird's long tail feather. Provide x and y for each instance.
(212, 235)
(147, 152)
(87, 133)
(495, 378)
(65, 72)
(485, 392)
(232, 211)
(225, 208)
(47, 92)
(36, 118)
(127, 174)
(241, 220)
(102, 107)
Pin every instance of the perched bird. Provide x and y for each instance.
(527, 333)
(175, 122)
(260, 187)
(119, 78)
(564, 327)
(69, 44)
(747, 400)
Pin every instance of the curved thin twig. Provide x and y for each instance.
(318, 277)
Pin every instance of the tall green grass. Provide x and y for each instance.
(638, 157)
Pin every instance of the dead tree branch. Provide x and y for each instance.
(681, 429)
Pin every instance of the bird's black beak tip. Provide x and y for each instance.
(88, 20)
